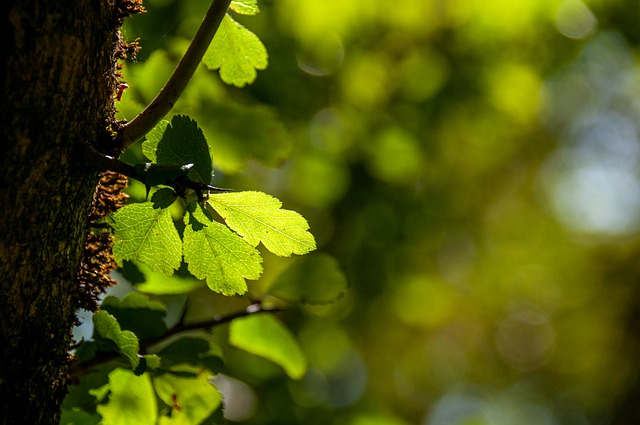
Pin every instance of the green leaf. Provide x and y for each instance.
(316, 280)
(179, 143)
(216, 254)
(257, 217)
(245, 7)
(138, 314)
(153, 137)
(107, 327)
(237, 52)
(131, 400)
(191, 398)
(146, 234)
(265, 336)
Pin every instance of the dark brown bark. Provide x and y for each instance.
(58, 81)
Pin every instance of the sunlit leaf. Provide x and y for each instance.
(257, 217)
(216, 254)
(106, 327)
(190, 396)
(131, 400)
(146, 234)
(265, 336)
(245, 7)
(237, 52)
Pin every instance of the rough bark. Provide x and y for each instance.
(58, 83)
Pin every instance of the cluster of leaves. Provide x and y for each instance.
(171, 382)
(137, 370)
(223, 254)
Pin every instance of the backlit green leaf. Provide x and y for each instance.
(179, 143)
(265, 336)
(191, 397)
(258, 217)
(107, 327)
(216, 254)
(237, 52)
(131, 400)
(245, 7)
(146, 234)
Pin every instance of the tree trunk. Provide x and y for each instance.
(58, 77)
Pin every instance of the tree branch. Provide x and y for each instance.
(80, 368)
(169, 94)
(173, 176)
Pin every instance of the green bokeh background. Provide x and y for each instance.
(472, 167)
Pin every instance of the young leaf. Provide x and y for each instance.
(179, 143)
(106, 327)
(245, 7)
(131, 400)
(237, 52)
(257, 217)
(265, 336)
(146, 234)
(137, 313)
(216, 254)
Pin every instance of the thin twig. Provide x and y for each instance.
(169, 94)
(107, 357)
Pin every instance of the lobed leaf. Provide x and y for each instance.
(236, 52)
(146, 234)
(216, 254)
(107, 327)
(257, 217)
(179, 143)
(265, 336)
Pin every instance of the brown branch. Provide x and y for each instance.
(169, 94)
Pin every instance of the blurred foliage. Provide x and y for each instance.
(472, 166)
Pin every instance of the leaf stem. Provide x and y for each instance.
(169, 94)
